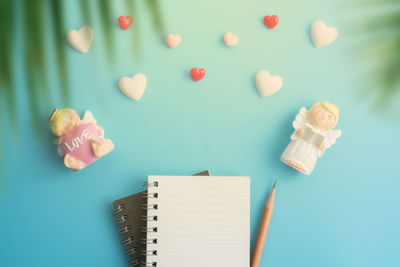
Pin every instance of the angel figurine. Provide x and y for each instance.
(80, 142)
(314, 133)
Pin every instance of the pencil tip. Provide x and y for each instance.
(275, 183)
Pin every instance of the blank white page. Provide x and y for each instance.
(202, 221)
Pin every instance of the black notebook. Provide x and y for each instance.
(131, 215)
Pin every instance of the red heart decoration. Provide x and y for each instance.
(271, 21)
(197, 74)
(125, 22)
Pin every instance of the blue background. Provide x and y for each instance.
(345, 214)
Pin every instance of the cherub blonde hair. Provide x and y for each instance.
(332, 108)
(56, 118)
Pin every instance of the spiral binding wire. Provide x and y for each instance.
(153, 184)
(122, 219)
(150, 207)
(149, 241)
(133, 263)
(127, 241)
(149, 264)
(151, 195)
(119, 208)
(149, 229)
(146, 241)
(130, 251)
(149, 218)
(125, 229)
(148, 252)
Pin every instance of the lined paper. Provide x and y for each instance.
(201, 221)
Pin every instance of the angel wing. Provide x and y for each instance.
(60, 152)
(88, 117)
(301, 119)
(330, 137)
(57, 141)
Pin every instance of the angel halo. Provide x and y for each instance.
(80, 142)
(314, 133)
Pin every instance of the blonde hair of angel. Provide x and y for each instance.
(56, 119)
(332, 108)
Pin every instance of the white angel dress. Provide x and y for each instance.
(304, 150)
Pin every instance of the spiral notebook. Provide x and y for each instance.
(130, 211)
(194, 221)
(131, 216)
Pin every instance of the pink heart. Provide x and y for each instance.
(173, 40)
(230, 39)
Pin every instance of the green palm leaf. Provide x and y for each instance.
(154, 7)
(107, 23)
(380, 35)
(132, 7)
(6, 57)
(87, 17)
(34, 12)
(59, 43)
(35, 57)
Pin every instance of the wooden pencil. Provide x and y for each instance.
(263, 228)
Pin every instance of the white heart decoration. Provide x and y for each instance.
(230, 39)
(81, 39)
(133, 87)
(267, 84)
(321, 35)
(173, 40)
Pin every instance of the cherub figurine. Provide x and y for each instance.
(81, 142)
(313, 134)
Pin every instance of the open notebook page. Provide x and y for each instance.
(201, 221)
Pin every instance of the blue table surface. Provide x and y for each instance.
(345, 214)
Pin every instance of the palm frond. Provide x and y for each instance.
(86, 15)
(35, 57)
(154, 7)
(59, 43)
(107, 25)
(374, 3)
(382, 23)
(7, 94)
(380, 44)
(33, 15)
(6, 64)
(132, 7)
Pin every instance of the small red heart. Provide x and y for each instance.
(197, 74)
(125, 22)
(271, 21)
